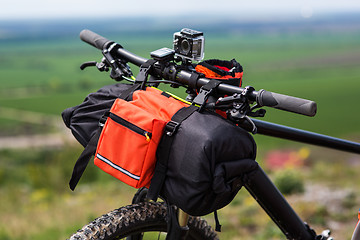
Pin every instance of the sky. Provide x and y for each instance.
(256, 9)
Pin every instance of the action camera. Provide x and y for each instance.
(189, 44)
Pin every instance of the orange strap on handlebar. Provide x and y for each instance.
(229, 71)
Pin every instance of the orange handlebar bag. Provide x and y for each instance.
(131, 134)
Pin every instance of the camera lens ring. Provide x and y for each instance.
(185, 47)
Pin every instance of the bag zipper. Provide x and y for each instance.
(131, 126)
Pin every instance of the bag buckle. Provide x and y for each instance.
(144, 72)
(203, 95)
(205, 92)
(103, 119)
(171, 127)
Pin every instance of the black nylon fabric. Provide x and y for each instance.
(83, 119)
(208, 164)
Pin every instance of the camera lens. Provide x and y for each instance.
(185, 46)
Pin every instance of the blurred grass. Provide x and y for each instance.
(39, 205)
(38, 202)
(44, 77)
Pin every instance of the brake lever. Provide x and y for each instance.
(88, 64)
(101, 66)
(119, 68)
(239, 109)
(258, 113)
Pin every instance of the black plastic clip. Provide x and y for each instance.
(103, 119)
(171, 127)
(202, 96)
(205, 92)
(144, 72)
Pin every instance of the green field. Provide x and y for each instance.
(43, 77)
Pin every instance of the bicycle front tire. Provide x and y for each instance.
(140, 219)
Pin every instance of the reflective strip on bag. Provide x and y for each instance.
(113, 165)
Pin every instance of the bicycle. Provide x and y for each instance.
(142, 216)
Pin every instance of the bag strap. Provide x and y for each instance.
(163, 151)
(90, 148)
(84, 159)
(126, 94)
(194, 77)
(217, 222)
(144, 72)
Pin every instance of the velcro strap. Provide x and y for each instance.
(193, 80)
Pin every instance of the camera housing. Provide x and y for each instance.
(189, 44)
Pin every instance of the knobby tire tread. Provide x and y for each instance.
(136, 218)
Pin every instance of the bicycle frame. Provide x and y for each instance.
(265, 192)
(259, 185)
(294, 134)
(274, 204)
(270, 198)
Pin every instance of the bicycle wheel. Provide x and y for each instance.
(146, 219)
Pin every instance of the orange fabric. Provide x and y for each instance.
(208, 73)
(161, 106)
(211, 74)
(128, 155)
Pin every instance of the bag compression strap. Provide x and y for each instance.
(144, 72)
(84, 159)
(163, 151)
(90, 148)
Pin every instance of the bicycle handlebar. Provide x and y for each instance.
(287, 103)
(94, 39)
(262, 97)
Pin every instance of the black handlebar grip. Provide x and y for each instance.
(94, 39)
(287, 103)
